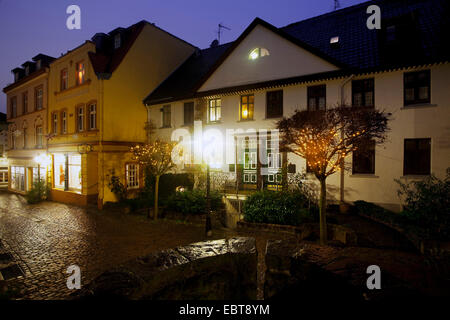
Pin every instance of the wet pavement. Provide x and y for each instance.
(46, 238)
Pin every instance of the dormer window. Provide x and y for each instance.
(334, 40)
(390, 33)
(117, 41)
(16, 76)
(27, 70)
(38, 64)
(257, 53)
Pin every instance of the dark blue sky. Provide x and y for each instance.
(31, 27)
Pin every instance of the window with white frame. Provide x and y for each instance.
(64, 122)
(80, 119)
(39, 137)
(18, 178)
(132, 175)
(54, 123)
(214, 110)
(92, 116)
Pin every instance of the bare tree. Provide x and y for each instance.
(156, 157)
(325, 137)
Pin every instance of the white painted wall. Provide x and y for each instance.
(286, 59)
(432, 121)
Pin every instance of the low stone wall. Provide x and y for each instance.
(310, 231)
(218, 269)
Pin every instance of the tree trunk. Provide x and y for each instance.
(323, 212)
(155, 213)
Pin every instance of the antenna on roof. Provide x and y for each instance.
(219, 30)
(337, 5)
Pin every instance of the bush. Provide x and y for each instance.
(38, 193)
(428, 204)
(288, 208)
(118, 188)
(193, 202)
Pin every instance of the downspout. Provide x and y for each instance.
(342, 186)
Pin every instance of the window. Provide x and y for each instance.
(92, 116)
(13, 139)
(38, 64)
(35, 175)
(317, 97)
(416, 87)
(247, 106)
(80, 73)
(16, 76)
(24, 137)
(64, 78)
(39, 91)
(13, 107)
(364, 158)
(27, 70)
(417, 157)
(55, 123)
(257, 53)
(18, 178)
(189, 113)
(25, 102)
(214, 110)
(80, 119)
(59, 171)
(117, 41)
(39, 137)
(249, 160)
(74, 172)
(274, 104)
(3, 176)
(166, 116)
(363, 93)
(64, 122)
(132, 175)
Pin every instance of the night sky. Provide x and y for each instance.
(31, 27)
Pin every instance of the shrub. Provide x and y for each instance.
(288, 208)
(427, 203)
(193, 202)
(38, 193)
(118, 188)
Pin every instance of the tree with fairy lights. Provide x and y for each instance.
(325, 137)
(156, 157)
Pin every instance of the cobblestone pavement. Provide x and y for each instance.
(47, 238)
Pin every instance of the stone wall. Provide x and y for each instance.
(210, 270)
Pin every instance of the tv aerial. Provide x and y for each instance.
(219, 31)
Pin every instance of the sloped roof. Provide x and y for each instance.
(420, 38)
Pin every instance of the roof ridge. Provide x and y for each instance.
(340, 11)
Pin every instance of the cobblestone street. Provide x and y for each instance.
(47, 238)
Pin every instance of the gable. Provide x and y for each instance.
(286, 59)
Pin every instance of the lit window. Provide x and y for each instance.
(18, 178)
(247, 106)
(215, 106)
(258, 52)
(59, 171)
(334, 40)
(92, 116)
(75, 172)
(80, 73)
(132, 175)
